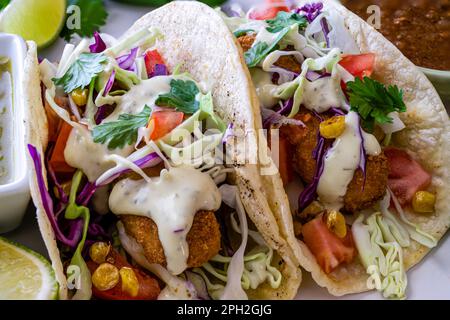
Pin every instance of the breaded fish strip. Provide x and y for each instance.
(360, 195)
(203, 239)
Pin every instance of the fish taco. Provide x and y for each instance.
(361, 139)
(124, 137)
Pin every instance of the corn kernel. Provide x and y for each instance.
(130, 283)
(105, 277)
(336, 223)
(333, 127)
(423, 202)
(80, 96)
(99, 251)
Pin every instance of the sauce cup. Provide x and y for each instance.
(14, 189)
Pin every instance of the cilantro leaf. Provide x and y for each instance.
(182, 96)
(285, 20)
(4, 3)
(81, 72)
(92, 16)
(122, 132)
(373, 101)
(260, 50)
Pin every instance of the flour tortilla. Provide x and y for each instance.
(427, 136)
(195, 35)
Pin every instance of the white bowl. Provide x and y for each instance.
(15, 194)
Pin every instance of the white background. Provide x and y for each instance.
(428, 280)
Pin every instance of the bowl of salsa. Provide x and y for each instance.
(420, 29)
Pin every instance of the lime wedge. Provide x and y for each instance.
(24, 274)
(40, 21)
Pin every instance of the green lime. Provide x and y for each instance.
(24, 274)
(40, 21)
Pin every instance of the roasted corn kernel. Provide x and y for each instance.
(336, 223)
(105, 277)
(99, 251)
(333, 127)
(423, 202)
(130, 283)
(80, 96)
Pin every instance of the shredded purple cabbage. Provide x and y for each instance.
(127, 61)
(362, 156)
(86, 194)
(285, 110)
(311, 10)
(337, 112)
(310, 192)
(62, 194)
(159, 70)
(313, 75)
(325, 30)
(110, 83)
(95, 230)
(99, 45)
(229, 11)
(102, 113)
(76, 226)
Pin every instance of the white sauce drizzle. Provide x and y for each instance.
(340, 164)
(322, 94)
(265, 89)
(83, 153)
(171, 201)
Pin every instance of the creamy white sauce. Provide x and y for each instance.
(6, 128)
(340, 164)
(371, 144)
(171, 201)
(322, 94)
(100, 200)
(265, 89)
(83, 153)
(140, 95)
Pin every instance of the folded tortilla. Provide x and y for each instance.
(427, 136)
(196, 36)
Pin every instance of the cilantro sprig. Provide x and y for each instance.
(93, 15)
(282, 25)
(122, 132)
(4, 3)
(374, 101)
(182, 96)
(81, 72)
(285, 20)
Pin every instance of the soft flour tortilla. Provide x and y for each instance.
(427, 136)
(196, 36)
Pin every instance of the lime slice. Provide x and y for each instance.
(40, 21)
(24, 274)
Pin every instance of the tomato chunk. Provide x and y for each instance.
(152, 58)
(57, 160)
(148, 287)
(164, 122)
(406, 175)
(359, 65)
(268, 10)
(328, 249)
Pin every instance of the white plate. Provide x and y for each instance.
(428, 280)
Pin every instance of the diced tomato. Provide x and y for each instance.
(268, 10)
(285, 161)
(164, 122)
(406, 176)
(359, 65)
(152, 58)
(330, 251)
(148, 286)
(57, 160)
